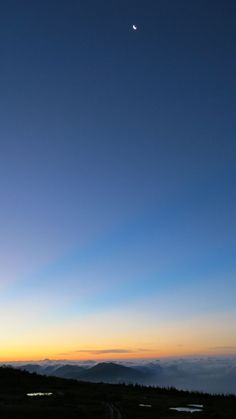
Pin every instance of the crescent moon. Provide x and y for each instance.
(134, 27)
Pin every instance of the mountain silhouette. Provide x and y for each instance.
(110, 372)
(68, 371)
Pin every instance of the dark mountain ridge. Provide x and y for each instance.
(108, 372)
(69, 399)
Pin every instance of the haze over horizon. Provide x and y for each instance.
(117, 179)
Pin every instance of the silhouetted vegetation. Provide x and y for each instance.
(84, 400)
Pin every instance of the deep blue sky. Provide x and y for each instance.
(117, 154)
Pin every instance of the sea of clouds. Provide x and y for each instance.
(206, 374)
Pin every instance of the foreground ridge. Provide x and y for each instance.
(65, 398)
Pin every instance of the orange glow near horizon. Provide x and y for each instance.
(36, 355)
(138, 335)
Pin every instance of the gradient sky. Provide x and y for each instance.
(117, 178)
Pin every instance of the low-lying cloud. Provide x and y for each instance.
(209, 374)
(105, 351)
(225, 348)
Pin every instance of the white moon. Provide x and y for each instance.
(134, 27)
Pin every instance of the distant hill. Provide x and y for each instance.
(32, 368)
(68, 371)
(108, 372)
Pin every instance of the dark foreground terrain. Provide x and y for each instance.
(83, 400)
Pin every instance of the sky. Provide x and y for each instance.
(117, 178)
